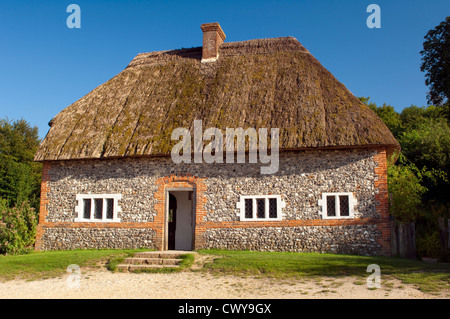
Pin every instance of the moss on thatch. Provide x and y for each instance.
(270, 83)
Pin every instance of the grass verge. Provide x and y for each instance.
(48, 264)
(428, 277)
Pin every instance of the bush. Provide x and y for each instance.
(428, 244)
(405, 185)
(405, 190)
(18, 228)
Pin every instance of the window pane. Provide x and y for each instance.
(109, 208)
(98, 208)
(343, 205)
(260, 208)
(87, 208)
(272, 208)
(248, 208)
(331, 206)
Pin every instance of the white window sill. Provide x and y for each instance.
(81, 220)
(338, 217)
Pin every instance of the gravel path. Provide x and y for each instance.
(194, 285)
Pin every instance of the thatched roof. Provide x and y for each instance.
(268, 83)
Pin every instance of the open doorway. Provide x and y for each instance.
(180, 220)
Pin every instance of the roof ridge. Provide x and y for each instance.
(254, 46)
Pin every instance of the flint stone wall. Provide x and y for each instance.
(59, 238)
(301, 179)
(344, 239)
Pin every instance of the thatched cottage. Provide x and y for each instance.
(109, 180)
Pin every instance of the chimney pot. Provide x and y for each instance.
(213, 37)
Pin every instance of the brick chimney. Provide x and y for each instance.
(213, 37)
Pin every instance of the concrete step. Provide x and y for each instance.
(151, 261)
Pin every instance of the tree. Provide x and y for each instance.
(428, 144)
(20, 176)
(405, 189)
(436, 62)
(418, 182)
(387, 114)
(413, 116)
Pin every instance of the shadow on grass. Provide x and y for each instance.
(427, 276)
(48, 264)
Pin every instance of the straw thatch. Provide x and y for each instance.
(268, 83)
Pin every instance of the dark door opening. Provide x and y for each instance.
(180, 220)
(172, 221)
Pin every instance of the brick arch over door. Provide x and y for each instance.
(173, 182)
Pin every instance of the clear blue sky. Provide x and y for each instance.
(45, 66)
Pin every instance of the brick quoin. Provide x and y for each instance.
(382, 201)
(43, 207)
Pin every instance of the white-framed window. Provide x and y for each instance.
(260, 208)
(97, 207)
(337, 205)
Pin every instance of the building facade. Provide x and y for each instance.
(109, 180)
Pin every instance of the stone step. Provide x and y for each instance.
(151, 261)
(161, 254)
(130, 267)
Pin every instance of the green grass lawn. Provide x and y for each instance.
(38, 265)
(429, 277)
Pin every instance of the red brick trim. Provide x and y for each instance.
(43, 208)
(180, 181)
(97, 225)
(382, 201)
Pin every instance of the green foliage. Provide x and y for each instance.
(389, 116)
(428, 143)
(414, 115)
(18, 139)
(15, 184)
(436, 62)
(418, 182)
(20, 176)
(427, 241)
(18, 231)
(405, 185)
